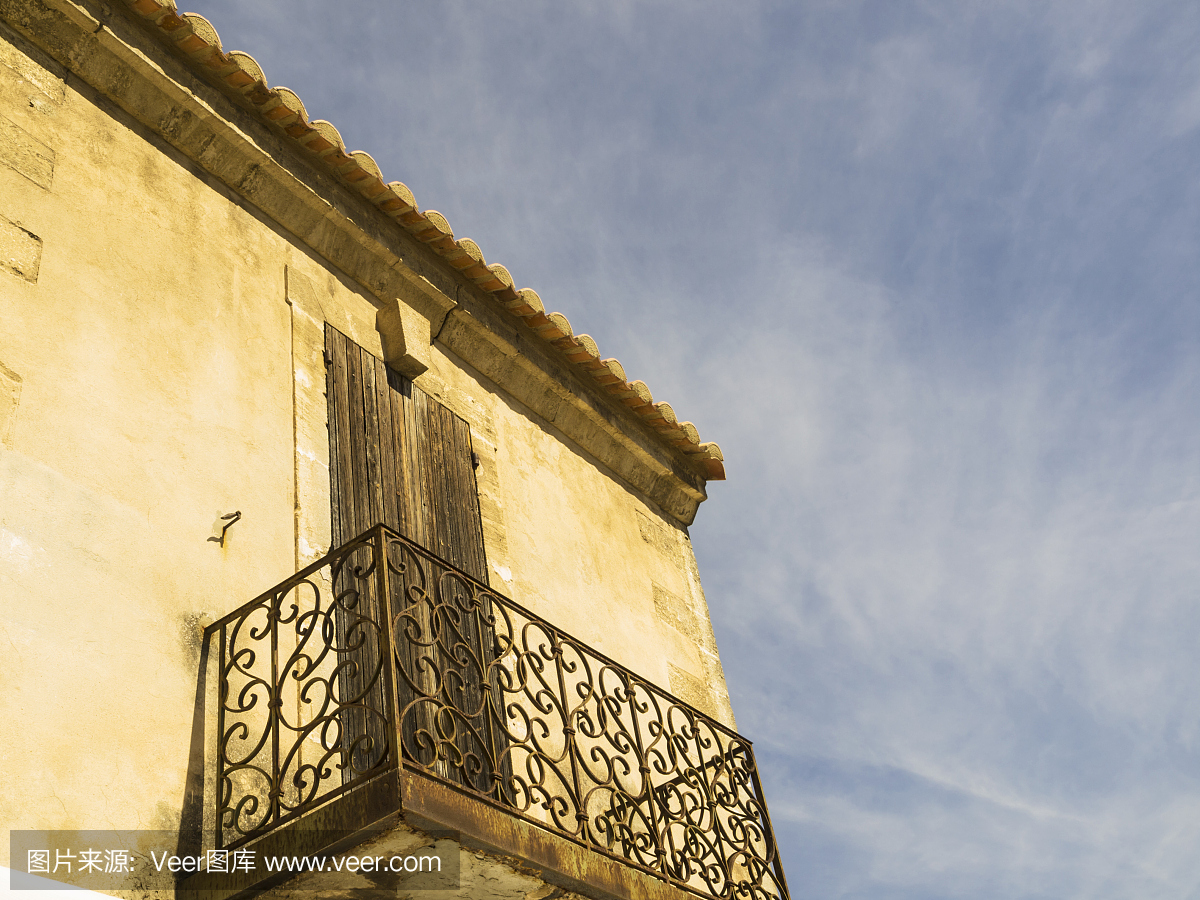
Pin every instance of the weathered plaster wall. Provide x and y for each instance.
(154, 393)
(160, 364)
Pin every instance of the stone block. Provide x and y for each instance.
(20, 250)
(22, 152)
(405, 335)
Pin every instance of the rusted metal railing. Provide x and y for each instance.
(306, 705)
(484, 695)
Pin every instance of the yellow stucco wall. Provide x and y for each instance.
(154, 392)
(160, 364)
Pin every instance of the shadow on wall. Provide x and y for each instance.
(191, 820)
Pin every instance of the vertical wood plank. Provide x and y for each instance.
(359, 473)
(458, 502)
(348, 460)
(387, 447)
(422, 466)
(371, 605)
(400, 394)
(408, 465)
(409, 469)
(331, 414)
(435, 449)
(374, 479)
(472, 514)
(344, 516)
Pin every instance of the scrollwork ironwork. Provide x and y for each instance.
(500, 703)
(383, 654)
(305, 707)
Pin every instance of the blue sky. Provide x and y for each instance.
(928, 273)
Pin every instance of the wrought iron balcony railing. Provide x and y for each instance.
(381, 655)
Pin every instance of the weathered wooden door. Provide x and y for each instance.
(398, 457)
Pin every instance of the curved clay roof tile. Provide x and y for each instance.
(438, 221)
(528, 303)
(401, 192)
(497, 280)
(292, 101)
(469, 247)
(469, 260)
(616, 371)
(154, 9)
(367, 163)
(588, 343)
(251, 72)
(366, 177)
(668, 414)
(562, 325)
(690, 433)
(327, 140)
(202, 29)
(641, 392)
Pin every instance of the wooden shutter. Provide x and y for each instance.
(399, 457)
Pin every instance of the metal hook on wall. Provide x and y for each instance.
(222, 525)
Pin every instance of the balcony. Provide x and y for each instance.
(382, 680)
